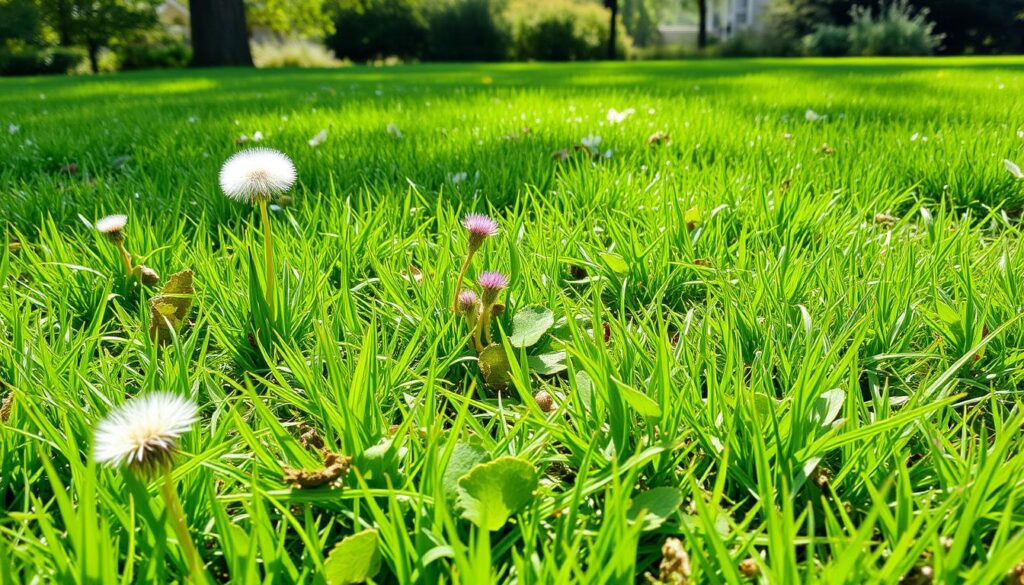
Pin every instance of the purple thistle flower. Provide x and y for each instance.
(480, 227)
(469, 303)
(491, 283)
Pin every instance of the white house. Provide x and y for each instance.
(725, 18)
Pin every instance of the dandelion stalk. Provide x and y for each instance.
(180, 525)
(268, 256)
(126, 258)
(254, 176)
(141, 436)
(112, 228)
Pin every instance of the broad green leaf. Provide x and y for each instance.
(492, 492)
(615, 262)
(947, 313)
(547, 364)
(656, 504)
(530, 324)
(585, 387)
(464, 457)
(353, 560)
(495, 367)
(828, 406)
(640, 402)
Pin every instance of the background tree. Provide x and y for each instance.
(93, 24)
(368, 29)
(20, 23)
(637, 20)
(613, 8)
(219, 34)
(300, 18)
(977, 26)
(702, 24)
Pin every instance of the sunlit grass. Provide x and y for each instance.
(807, 330)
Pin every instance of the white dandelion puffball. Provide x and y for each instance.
(111, 224)
(143, 432)
(617, 117)
(255, 174)
(1013, 168)
(318, 139)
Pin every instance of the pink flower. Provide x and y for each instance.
(469, 303)
(491, 283)
(480, 228)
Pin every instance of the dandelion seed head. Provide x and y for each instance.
(1013, 169)
(112, 226)
(255, 174)
(142, 434)
(111, 223)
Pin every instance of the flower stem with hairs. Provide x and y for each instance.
(268, 257)
(480, 227)
(491, 283)
(180, 525)
(254, 176)
(126, 258)
(462, 277)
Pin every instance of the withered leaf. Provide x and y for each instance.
(335, 466)
(5, 407)
(168, 310)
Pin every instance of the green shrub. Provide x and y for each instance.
(40, 61)
(162, 54)
(786, 24)
(828, 41)
(468, 30)
(897, 30)
(370, 29)
(753, 43)
(293, 53)
(561, 30)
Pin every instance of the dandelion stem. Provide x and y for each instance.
(268, 254)
(126, 258)
(462, 276)
(177, 513)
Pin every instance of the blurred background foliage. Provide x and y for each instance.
(79, 36)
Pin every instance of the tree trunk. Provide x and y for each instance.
(702, 23)
(64, 23)
(219, 34)
(94, 56)
(613, 7)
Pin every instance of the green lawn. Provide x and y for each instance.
(784, 331)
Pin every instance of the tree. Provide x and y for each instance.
(302, 18)
(702, 24)
(93, 24)
(219, 34)
(20, 23)
(368, 29)
(613, 7)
